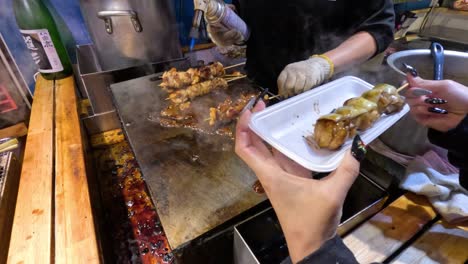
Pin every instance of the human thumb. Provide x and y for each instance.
(345, 175)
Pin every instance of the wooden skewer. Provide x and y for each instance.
(236, 78)
(233, 66)
(404, 86)
(232, 75)
(267, 97)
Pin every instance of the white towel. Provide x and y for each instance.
(432, 176)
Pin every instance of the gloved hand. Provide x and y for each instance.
(222, 36)
(224, 26)
(301, 76)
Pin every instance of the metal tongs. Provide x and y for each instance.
(253, 101)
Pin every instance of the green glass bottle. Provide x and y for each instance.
(42, 38)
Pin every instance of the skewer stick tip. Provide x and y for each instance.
(404, 86)
(233, 66)
(235, 78)
(267, 97)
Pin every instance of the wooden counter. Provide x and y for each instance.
(53, 221)
(409, 231)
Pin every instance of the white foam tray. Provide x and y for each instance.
(285, 124)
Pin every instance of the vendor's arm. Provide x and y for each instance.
(372, 35)
(373, 31)
(357, 49)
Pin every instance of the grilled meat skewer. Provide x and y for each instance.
(198, 89)
(174, 79)
(228, 110)
(359, 113)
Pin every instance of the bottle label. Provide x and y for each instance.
(42, 49)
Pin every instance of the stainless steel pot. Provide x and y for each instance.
(455, 68)
(129, 33)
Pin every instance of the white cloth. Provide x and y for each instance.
(432, 176)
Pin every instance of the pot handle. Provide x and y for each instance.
(437, 52)
(106, 16)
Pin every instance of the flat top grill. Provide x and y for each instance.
(196, 180)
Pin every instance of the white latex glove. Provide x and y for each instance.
(301, 76)
(222, 36)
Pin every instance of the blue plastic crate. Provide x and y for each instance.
(403, 6)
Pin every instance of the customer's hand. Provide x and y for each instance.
(442, 110)
(301, 76)
(309, 210)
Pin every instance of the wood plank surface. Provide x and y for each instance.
(442, 243)
(388, 230)
(75, 237)
(14, 131)
(32, 223)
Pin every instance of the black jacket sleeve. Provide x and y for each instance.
(380, 23)
(332, 252)
(456, 142)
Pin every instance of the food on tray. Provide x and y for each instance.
(386, 96)
(174, 79)
(359, 113)
(228, 110)
(233, 51)
(198, 89)
(177, 112)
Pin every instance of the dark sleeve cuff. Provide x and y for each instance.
(333, 251)
(380, 24)
(382, 37)
(455, 141)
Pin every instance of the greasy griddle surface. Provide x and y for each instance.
(195, 179)
(197, 115)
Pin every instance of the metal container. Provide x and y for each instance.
(94, 85)
(127, 33)
(455, 66)
(445, 25)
